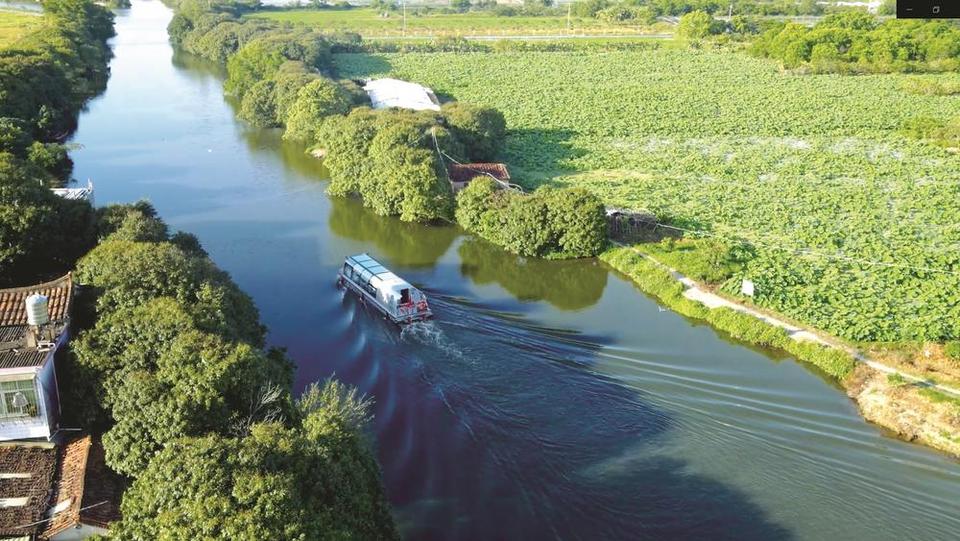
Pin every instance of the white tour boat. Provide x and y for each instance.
(393, 296)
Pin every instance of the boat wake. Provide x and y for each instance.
(429, 334)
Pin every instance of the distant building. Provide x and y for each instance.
(85, 194)
(462, 173)
(29, 395)
(56, 493)
(387, 93)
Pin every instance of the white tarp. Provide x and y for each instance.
(386, 93)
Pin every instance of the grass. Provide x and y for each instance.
(721, 141)
(371, 23)
(655, 280)
(14, 25)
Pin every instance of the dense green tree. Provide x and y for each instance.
(858, 42)
(481, 130)
(555, 223)
(290, 78)
(259, 105)
(579, 220)
(199, 384)
(130, 273)
(696, 25)
(317, 100)
(314, 480)
(140, 226)
(389, 160)
(250, 65)
(41, 234)
(589, 8)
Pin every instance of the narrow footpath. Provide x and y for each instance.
(696, 292)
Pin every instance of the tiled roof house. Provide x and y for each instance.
(45, 491)
(462, 173)
(29, 396)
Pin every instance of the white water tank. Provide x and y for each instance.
(37, 313)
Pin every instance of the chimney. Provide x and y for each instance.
(37, 316)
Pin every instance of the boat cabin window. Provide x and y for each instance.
(404, 296)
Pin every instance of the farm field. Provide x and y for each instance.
(370, 23)
(854, 226)
(15, 25)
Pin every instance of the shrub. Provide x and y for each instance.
(747, 327)
(387, 159)
(952, 350)
(557, 223)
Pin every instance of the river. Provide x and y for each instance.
(548, 399)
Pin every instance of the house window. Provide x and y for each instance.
(18, 399)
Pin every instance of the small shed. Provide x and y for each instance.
(85, 193)
(388, 93)
(462, 173)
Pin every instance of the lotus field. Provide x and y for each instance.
(856, 228)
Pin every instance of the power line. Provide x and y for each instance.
(443, 154)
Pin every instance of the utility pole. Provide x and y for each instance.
(404, 17)
(568, 16)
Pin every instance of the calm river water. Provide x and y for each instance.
(548, 400)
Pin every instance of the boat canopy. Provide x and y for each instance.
(388, 288)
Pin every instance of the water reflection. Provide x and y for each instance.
(511, 396)
(567, 285)
(402, 243)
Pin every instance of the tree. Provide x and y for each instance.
(198, 384)
(481, 130)
(41, 234)
(291, 77)
(579, 221)
(695, 25)
(317, 100)
(131, 273)
(589, 8)
(251, 64)
(555, 223)
(259, 105)
(316, 479)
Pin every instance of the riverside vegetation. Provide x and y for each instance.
(801, 223)
(394, 161)
(198, 414)
(776, 169)
(46, 76)
(169, 364)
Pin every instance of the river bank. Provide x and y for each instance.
(547, 395)
(914, 409)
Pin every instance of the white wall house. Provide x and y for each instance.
(29, 394)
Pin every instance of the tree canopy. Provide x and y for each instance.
(313, 479)
(555, 223)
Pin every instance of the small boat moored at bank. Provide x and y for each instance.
(391, 295)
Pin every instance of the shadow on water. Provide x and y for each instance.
(513, 420)
(567, 285)
(404, 244)
(197, 67)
